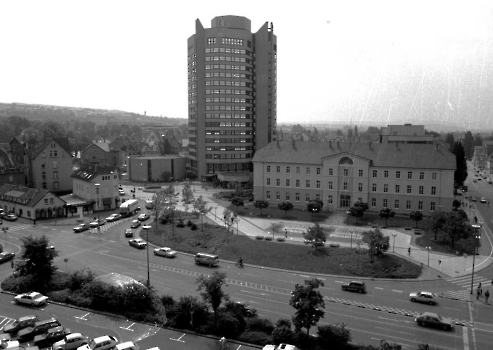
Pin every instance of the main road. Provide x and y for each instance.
(385, 312)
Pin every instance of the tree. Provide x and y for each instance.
(377, 242)
(261, 204)
(308, 302)
(455, 227)
(335, 336)
(437, 220)
(456, 204)
(468, 143)
(316, 235)
(187, 193)
(230, 218)
(37, 259)
(478, 140)
(285, 207)
(416, 216)
(449, 140)
(237, 201)
(314, 206)
(358, 209)
(386, 213)
(460, 174)
(200, 205)
(210, 289)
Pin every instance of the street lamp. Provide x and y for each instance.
(97, 206)
(428, 249)
(476, 237)
(393, 245)
(147, 227)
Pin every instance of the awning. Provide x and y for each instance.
(74, 201)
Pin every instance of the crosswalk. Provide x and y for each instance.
(4, 320)
(464, 283)
(16, 227)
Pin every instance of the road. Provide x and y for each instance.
(383, 313)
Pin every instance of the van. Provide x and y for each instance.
(206, 259)
(128, 345)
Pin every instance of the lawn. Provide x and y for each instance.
(337, 261)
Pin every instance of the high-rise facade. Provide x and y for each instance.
(232, 77)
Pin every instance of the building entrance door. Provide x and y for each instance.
(345, 201)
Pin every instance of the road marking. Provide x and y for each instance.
(397, 291)
(465, 336)
(338, 281)
(82, 317)
(379, 288)
(179, 339)
(451, 308)
(306, 276)
(247, 291)
(248, 274)
(128, 328)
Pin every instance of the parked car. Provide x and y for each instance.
(135, 224)
(129, 232)
(31, 298)
(128, 345)
(473, 199)
(143, 217)
(39, 327)
(71, 342)
(354, 286)
(81, 227)
(114, 217)
(98, 222)
(10, 217)
(431, 319)
(245, 309)
(20, 323)
(53, 335)
(483, 200)
(121, 192)
(423, 297)
(6, 256)
(166, 252)
(100, 343)
(138, 243)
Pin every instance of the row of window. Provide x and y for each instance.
(229, 148)
(226, 92)
(228, 116)
(227, 124)
(228, 59)
(228, 107)
(228, 50)
(373, 201)
(228, 132)
(409, 189)
(227, 83)
(54, 175)
(211, 140)
(360, 172)
(54, 165)
(227, 75)
(211, 168)
(56, 185)
(228, 156)
(225, 67)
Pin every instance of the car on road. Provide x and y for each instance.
(143, 217)
(53, 335)
(138, 243)
(71, 342)
(135, 224)
(100, 343)
(314, 243)
(10, 217)
(121, 192)
(165, 251)
(432, 319)
(6, 256)
(114, 217)
(474, 180)
(473, 199)
(354, 286)
(129, 232)
(423, 297)
(479, 179)
(20, 323)
(483, 200)
(31, 298)
(81, 228)
(98, 222)
(149, 204)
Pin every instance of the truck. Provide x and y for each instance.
(129, 207)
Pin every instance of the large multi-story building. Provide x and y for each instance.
(232, 75)
(401, 176)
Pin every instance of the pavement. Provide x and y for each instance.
(435, 265)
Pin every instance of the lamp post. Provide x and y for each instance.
(476, 237)
(97, 206)
(147, 227)
(393, 245)
(272, 231)
(428, 249)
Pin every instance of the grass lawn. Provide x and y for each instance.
(337, 261)
(462, 246)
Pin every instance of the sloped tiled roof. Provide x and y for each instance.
(61, 141)
(405, 155)
(32, 195)
(105, 146)
(88, 173)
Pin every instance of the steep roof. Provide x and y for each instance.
(23, 193)
(88, 173)
(61, 141)
(105, 146)
(404, 155)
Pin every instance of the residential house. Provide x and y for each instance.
(100, 153)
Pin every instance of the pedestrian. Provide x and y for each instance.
(477, 293)
(480, 288)
(409, 250)
(286, 233)
(12, 263)
(487, 295)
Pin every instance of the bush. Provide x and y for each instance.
(281, 239)
(259, 237)
(180, 223)
(282, 335)
(20, 284)
(336, 336)
(193, 227)
(259, 325)
(228, 324)
(61, 296)
(258, 338)
(80, 278)
(283, 322)
(189, 223)
(167, 300)
(268, 238)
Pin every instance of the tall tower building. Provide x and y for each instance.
(232, 77)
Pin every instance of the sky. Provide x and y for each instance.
(353, 61)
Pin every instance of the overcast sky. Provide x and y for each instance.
(337, 60)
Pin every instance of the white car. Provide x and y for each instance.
(98, 222)
(31, 298)
(121, 192)
(100, 343)
(71, 341)
(9, 344)
(113, 217)
(483, 200)
(423, 297)
(166, 252)
(138, 243)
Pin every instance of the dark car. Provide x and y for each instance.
(50, 337)
(354, 286)
(40, 327)
(20, 323)
(143, 217)
(6, 256)
(81, 227)
(129, 232)
(244, 308)
(431, 319)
